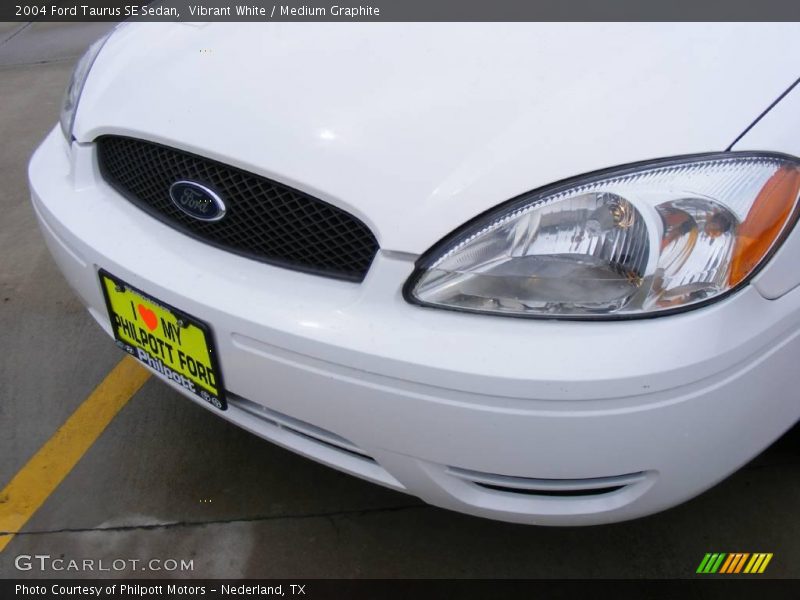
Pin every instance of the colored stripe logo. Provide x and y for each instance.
(734, 563)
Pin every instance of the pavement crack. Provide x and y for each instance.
(330, 515)
(37, 63)
(15, 33)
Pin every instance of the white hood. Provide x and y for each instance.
(416, 128)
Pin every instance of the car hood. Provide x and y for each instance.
(416, 128)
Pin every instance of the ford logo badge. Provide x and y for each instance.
(197, 200)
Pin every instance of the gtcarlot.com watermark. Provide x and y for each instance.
(57, 564)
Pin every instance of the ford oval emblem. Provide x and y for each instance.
(197, 200)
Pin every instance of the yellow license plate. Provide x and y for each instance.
(167, 340)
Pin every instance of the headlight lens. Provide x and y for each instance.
(75, 87)
(637, 241)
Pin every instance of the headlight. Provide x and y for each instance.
(75, 87)
(637, 241)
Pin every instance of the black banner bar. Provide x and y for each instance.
(400, 10)
(312, 589)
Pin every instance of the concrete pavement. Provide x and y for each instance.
(169, 480)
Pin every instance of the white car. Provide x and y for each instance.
(540, 273)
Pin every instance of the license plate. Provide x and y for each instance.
(165, 339)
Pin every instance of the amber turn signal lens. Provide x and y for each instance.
(764, 223)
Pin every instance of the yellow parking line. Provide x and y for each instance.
(43, 473)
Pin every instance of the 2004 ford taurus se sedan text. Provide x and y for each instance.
(539, 273)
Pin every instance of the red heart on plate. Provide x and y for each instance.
(148, 316)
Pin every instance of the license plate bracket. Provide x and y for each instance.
(169, 341)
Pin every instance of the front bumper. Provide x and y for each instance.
(557, 423)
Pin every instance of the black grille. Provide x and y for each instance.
(265, 220)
